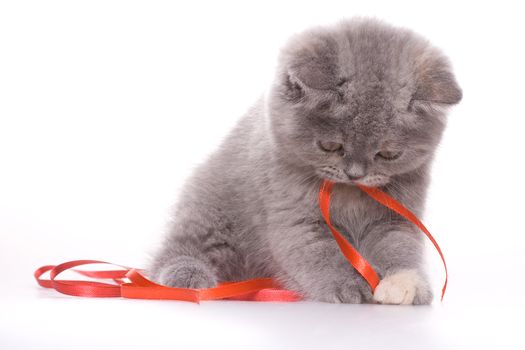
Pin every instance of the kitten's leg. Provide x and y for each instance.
(397, 255)
(314, 266)
(185, 272)
(197, 253)
(182, 263)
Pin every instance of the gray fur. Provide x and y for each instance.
(251, 210)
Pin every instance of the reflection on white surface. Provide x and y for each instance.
(34, 318)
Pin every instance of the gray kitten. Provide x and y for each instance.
(360, 102)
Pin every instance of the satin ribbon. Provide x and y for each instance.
(138, 286)
(351, 254)
(131, 283)
(389, 202)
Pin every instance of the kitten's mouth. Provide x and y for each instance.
(372, 180)
(375, 180)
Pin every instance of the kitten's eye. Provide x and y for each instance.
(329, 146)
(389, 155)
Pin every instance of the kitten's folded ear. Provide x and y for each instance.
(436, 83)
(310, 60)
(300, 81)
(314, 74)
(293, 87)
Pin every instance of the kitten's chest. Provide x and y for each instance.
(352, 212)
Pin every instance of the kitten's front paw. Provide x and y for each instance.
(350, 291)
(403, 287)
(187, 272)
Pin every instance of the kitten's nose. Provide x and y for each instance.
(355, 171)
(351, 177)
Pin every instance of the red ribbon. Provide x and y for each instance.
(130, 283)
(352, 255)
(139, 287)
(389, 202)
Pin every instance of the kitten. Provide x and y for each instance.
(360, 102)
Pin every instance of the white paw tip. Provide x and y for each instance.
(398, 288)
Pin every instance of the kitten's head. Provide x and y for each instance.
(360, 102)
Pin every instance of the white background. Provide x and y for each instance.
(106, 106)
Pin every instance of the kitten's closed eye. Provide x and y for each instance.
(329, 146)
(389, 155)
